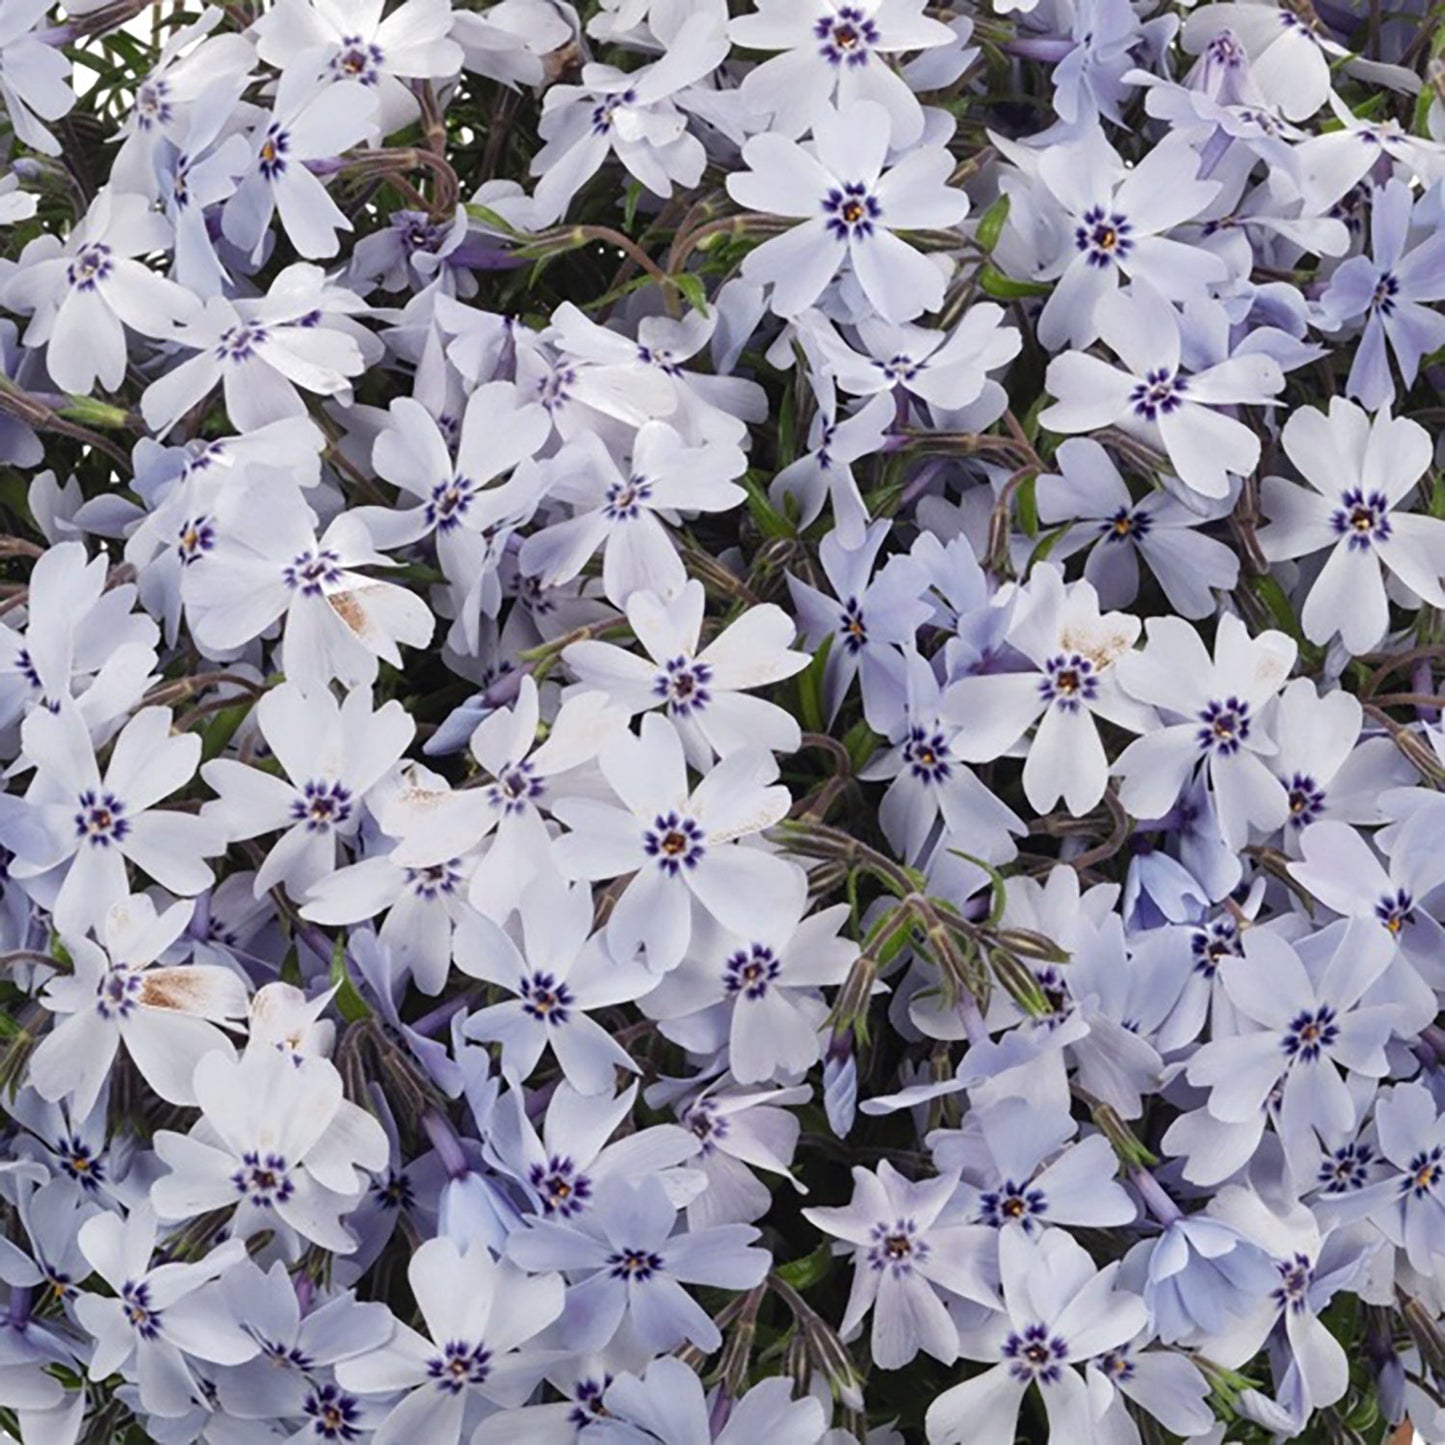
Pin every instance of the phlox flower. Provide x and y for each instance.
(481, 1315)
(681, 845)
(851, 205)
(560, 972)
(339, 622)
(277, 1141)
(1153, 397)
(835, 51)
(331, 755)
(1072, 680)
(83, 293)
(628, 1268)
(1059, 1312)
(164, 1323)
(906, 1249)
(1221, 707)
(1361, 471)
(703, 689)
(77, 830)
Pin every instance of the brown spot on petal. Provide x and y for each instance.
(171, 988)
(1101, 645)
(346, 607)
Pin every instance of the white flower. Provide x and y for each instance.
(81, 641)
(332, 755)
(350, 40)
(1154, 399)
(1222, 725)
(757, 991)
(905, 1250)
(309, 122)
(560, 971)
(1072, 648)
(260, 352)
(632, 114)
(165, 1017)
(1059, 1313)
(838, 51)
(850, 208)
(704, 691)
(159, 1320)
(1361, 472)
(434, 824)
(80, 829)
(472, 505)
(622, 510)
(269, 563)
(34, 76)
(277, 1141)
(682, 845)
(83, 294)
(480, 1315)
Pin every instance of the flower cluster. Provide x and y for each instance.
(720, 722)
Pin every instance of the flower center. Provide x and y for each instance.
(1396, 911)
(322, 805)
(683, 682)
(311, 572)
(851, 210)
(1311, 1034)
(846, 36)
(676, 842)
(515, 788)
(927, 755)
(143, 1317)
(1035, 1354)
(460, 1364)
(545, 999)
(1104, 237)
(1226, 726)
(563, 1190)
(1158, 393)
(357, 60)
(262, 1179)
(1013, 1204)
(637, 1265)
(897, 1246)
(624, 500)
(851, 627)
(1296, 1276)
(1069, 680)
(100, 819)
(1362, 519)
(92, 265)
(750, 970)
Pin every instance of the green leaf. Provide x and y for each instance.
(812, 709)
(89, 411)
(996, 882)
(1273, 596)
(991, 224)
(349, 1004)
(811, 1269)
(489, 217)
(1027, 506)
(770, 521)
(219, 731)
(993, 282)
(693, 291)
(629, 206)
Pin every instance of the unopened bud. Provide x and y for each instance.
(1028, 944)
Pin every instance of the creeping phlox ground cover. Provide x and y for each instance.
(721, 720)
